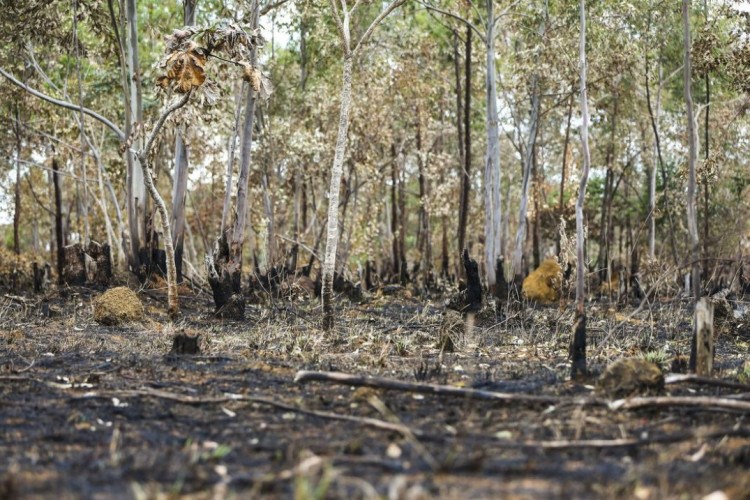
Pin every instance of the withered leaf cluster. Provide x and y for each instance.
(188, 49)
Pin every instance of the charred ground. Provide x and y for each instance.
(88, 410)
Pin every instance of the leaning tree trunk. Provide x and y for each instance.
(332, 236)
(578, 345)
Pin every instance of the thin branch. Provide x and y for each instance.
(711, 403)
(363, 40)
(340, 26)
(160, 123)
(268, 8)
(64, 104)
(505, 11)
(440, 390)
(454, 16)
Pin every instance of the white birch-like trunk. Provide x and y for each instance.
(692, 216)
(332, 235)
(492, 159)
(521, 231)
(136, 188)
(578, 346)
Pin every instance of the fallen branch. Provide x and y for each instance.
(696, 379)
(632, 442)
(195, 400)
(711, 403)
(440, 390)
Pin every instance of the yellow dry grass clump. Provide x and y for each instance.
(116, 306)
(543, 285)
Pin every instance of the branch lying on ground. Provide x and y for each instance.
(701, 402)
(677, 378)
(442, 390)
(194, 400)
(405, 431)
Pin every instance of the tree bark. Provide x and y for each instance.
(17, 190)
(518, 271)
(492, 199)
(561, 206)
(181, 166)
(463, 216)
(59, 240)
(692, 217)
(578, 344)
(333, 195)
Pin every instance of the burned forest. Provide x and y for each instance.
(375, 249)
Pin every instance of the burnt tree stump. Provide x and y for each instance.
(102, 257)
(74, 269)
(225, 278)
(183, 343)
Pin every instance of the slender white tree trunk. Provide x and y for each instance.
(578, 346)
(136, 189)
(521, 231)
(332, 235)
(692, 216)
(492, 200)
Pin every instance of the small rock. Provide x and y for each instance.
(116, 306)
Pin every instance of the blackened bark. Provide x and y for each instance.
(225, 278)
(578, 348)
(473, 283)
(74, 269)
(463, 216)
(59, 244)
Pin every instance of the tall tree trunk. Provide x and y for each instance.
(59, 239)
(424, 243)
(181, 165)
(230, 159)
(225, 264)
(692, 216)
(136, 187)
(492, 201)
(463, 215)
(578, 344)
(81, 123)
(395, 233)
(333, 194)
(518, 271)
(561, 206)
(17, 190)
(654, 117)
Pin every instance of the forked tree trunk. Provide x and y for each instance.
(578, 344)
(225, 264)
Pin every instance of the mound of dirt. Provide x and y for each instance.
(543, 285)
(116, 306)
(630, 376)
